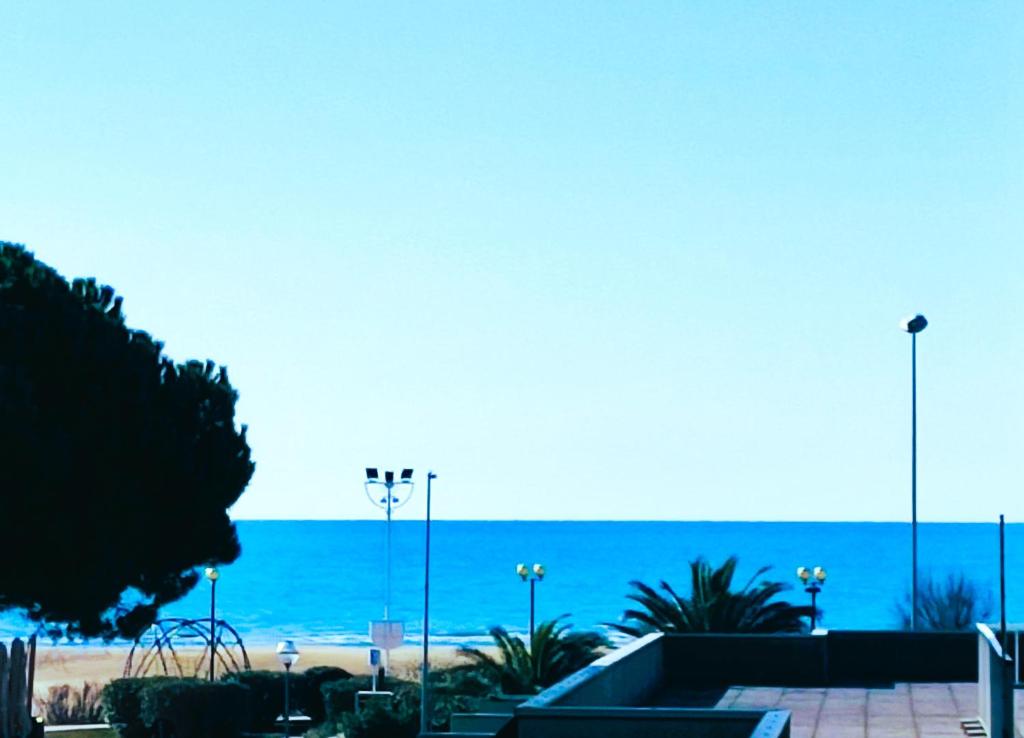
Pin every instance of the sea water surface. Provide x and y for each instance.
(322, 581)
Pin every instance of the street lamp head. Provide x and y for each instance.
(287, 654)
(539, 570)
(431, 475)
(820, 574)
(212, 574)
(389, 477)
(406, 475)
(522, 571)
(914, 324)
(803, 574)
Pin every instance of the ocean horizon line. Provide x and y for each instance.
(625, 520)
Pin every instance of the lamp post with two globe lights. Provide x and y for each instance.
(288, 655)
(812, 588)
(533, 576)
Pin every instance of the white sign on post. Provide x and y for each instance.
(387, 634)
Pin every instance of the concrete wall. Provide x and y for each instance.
(995, 685)
(626, 676)
(563, 722)
(835, 658)
(479, 722)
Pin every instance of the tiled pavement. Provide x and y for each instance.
(905, 711)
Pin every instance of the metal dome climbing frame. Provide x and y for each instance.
(181, 647)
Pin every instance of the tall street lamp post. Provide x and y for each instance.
(424, 705)
(288, 655)
(394, 495)
(213, 575)
(913, 326)
(812, 587)
(532, 576)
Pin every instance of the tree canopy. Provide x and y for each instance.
(117, 465)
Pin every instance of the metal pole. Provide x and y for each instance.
(814, 608)
(287, 708)
(387, 558)
(213, 623)
(1007, 672)
(387, 580)
(425, 668)
(533, 583)
(913, 477)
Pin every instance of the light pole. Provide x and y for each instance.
(534, 576)
(288, 655)
(812, 588)
(213, 575)
(913, 326)
(395, 494)
(425, 673)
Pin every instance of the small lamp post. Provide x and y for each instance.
(213, 575)
(812, 587)
(913, 325)
(288, 655)
(532, 576)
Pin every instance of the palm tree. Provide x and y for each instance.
(712, 606)
(553, 654)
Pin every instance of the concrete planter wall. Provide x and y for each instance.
(100, 730)
(833, 658)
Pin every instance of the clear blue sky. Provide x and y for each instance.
(586, 260)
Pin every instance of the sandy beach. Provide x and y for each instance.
(74, 666)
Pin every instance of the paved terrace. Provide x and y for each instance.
(905, 711)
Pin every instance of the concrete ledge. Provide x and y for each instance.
(619, 678)
(96, 730)
(479, 722)
(652, 722)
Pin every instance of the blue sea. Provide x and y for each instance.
(320, 582)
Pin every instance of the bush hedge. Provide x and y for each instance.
(314, 679)
(378, 720)
(339, 697)
(122, 705)
(184, 708)
(304, 693)
(192, 708)
(266, 695)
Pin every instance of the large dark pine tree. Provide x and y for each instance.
(117, 466)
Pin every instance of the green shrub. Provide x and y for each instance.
(455, 689)
(266, 695)
(192, 708)
(312, 701)
(955, 603)
(122, 705)
(339, 698)
(378, 720)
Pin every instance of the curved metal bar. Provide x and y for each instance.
(160, 648)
